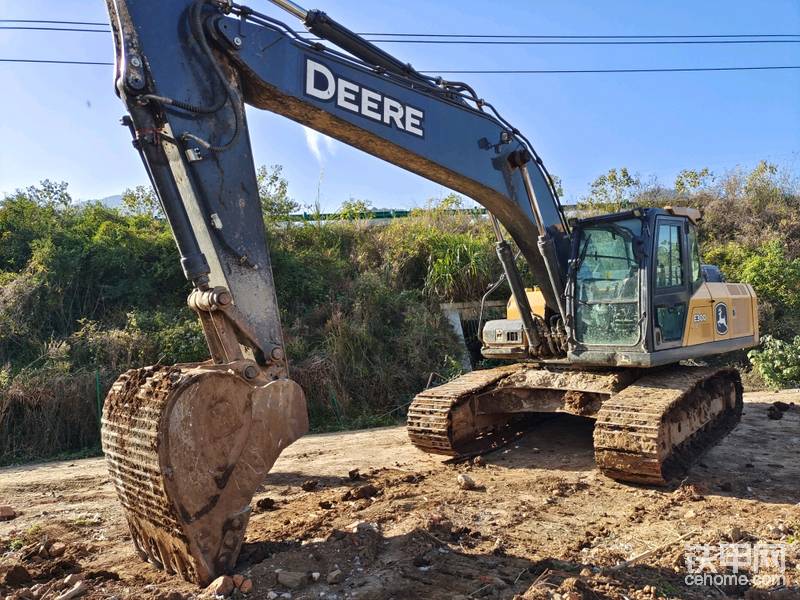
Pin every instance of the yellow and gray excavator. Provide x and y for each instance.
(621, 301)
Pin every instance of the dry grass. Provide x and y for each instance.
(49, 414)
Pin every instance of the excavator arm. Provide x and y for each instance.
(188, 445)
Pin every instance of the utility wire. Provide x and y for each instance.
(30, 28)
(485, 71)
(54, 62)
(480, 35)
(575, 37)
(104, 24)
(553, 41)
(489, 39)
(571, 71)
(579, 43)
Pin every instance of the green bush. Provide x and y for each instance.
(87, 289)
(777, 361)
(450, 257)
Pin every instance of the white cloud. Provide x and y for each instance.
(319, 144)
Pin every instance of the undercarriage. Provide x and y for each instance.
(649, 425)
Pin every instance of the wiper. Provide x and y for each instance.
(623, 231)
(584, 250)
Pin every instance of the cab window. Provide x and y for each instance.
(694, 248)
(669, 265)
(607, 284)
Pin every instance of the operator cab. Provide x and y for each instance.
(638, 295)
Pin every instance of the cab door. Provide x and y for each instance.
(670, 281)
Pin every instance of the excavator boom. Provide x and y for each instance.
(188, 445)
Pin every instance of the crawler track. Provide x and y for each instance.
(441, 420)
(654, 429)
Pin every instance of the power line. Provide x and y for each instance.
(553, 41)
(575, 37)
(580, 43)
(482, 35)
(572, 71)
(489, 39)
(54, 22)
(55, 62)
(28, 28)
(486, 71)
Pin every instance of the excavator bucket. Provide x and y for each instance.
(187, 446)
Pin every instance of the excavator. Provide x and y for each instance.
(621, 313)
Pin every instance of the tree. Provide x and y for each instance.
(273, 191)
(142, 200)
(353, 209)
(689, 182)
(48, 193)
(611, 192)
(558, 185)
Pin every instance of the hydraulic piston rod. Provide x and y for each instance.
(506, 256)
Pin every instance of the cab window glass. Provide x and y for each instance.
(607, 284)
(669, 267)
(694, 249)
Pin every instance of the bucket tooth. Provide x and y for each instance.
(186, 449)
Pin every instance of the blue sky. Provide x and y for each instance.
(61, 122)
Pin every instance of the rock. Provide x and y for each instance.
(688, 493)
(265, 504)
(774, 413)
(73, 579)
(573, 588)
(272, 595)
(221, 586)
(354, 474)
(736, 534)
(7, 513)
(17, 575)
(465, 482)
(334, 577)
(173, 595)
(40, 589)
(326, 504)
(286, 595)
(292, 579)
(315, 576)
(237, 580)
(309, 485)
(360, 492)
(77, 590)
(781, 406)
(57, 549)
(247, 586)
(364, 528)
(690, 514)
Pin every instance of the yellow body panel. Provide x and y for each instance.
(721, 311)
(535, 299)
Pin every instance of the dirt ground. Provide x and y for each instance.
(542, 521)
